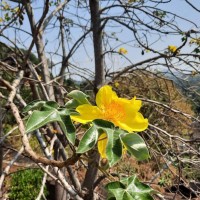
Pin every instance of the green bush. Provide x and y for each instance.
(26, 184)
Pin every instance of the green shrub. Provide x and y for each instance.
(25, 185)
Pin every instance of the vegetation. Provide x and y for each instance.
(26, 184)
(58, 60)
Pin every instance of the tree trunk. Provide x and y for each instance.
(60, 193)
(38, 40)
(92, 170)
(2, 114)
(97, 44)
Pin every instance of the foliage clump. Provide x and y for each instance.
(26, 184)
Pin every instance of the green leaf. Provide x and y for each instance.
(37, 104)
(88, 141)
(183, 39)
(115, 189)
(40, 118)
(135, 145)
(196, 50)
(64, 112)
(137, 189)
(79, 96)
(102, 124)
(114, 147)
(116, 138)
(129, 189)
(40, 105)
(48, 105)
(73, 103)
(71, 131)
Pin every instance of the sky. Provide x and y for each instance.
(84, 58)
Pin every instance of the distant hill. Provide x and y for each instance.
(189, 85)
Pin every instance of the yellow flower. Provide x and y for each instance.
(123, 50)
(116, 84)
(101, 145)
(195, 41)
(172, 48)
(6, 6)
(120, 111)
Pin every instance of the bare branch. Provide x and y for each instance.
(48, 19)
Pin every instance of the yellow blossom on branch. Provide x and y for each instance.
(121, 112)
(17, 9)
(116, 84)
(172, 48)
(195, 41)
(123, 50)
(5, 6)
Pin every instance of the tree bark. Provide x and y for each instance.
(2, 114)
(90, 176)
(99, 80)
(97, 44)
(61, 193)
(38, 40)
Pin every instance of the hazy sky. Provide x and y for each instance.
(84, 56)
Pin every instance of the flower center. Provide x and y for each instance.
(113, 112)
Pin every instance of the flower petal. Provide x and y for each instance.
(130, 107)
(87, 113)
(136, 104)
(133, 123)
(102, 142)
(104, 96)
(122, 50)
